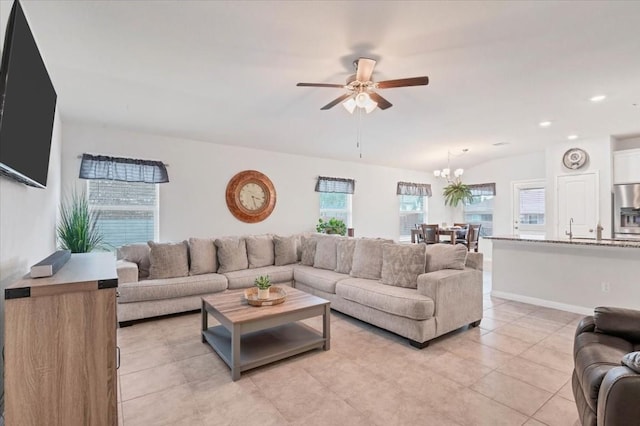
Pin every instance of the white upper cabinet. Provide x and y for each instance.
(626, 166)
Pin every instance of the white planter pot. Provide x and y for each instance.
(263, 294)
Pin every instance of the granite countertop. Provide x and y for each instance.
(574, 241)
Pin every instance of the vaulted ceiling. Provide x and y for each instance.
(226, 72)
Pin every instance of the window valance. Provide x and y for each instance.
(122, 169)
(410, 188)
(482, 189)
(333, 184)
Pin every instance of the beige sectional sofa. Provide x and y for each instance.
(417, 291)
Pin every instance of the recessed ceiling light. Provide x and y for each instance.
(572, 137)
(598, 98)
(544, 124)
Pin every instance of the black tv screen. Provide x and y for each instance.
(27, 105)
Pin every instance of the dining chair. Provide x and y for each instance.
(461, 234)
(473, 237)
(430, 234)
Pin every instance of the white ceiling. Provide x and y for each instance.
(226, 72)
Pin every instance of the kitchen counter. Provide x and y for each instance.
(573, 275)
(574, 241)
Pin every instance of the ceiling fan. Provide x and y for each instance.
(361, 90)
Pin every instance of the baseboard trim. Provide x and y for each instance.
(543, 302)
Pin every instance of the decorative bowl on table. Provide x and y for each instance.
(277, 295)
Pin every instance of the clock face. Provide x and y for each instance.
(251, 196)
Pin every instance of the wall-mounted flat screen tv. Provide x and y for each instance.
(27, 105)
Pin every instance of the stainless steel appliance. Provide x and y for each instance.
(626, 211)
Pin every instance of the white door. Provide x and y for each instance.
(578, 203)
(528, 208)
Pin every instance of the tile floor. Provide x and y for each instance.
(514, 369)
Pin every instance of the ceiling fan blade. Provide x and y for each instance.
(382, 102)
(403, 82)
(337, 101)
(340, 86)
(365, 69)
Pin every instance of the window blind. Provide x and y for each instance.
(482, 189)
(122, 169)
(409, 188)
(333, 184)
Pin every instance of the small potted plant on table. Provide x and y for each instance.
(263, 282)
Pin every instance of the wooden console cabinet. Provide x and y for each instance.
(60, 346)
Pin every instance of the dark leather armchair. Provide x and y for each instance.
(606, 375)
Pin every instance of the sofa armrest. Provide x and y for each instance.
(456, 294)
(586, 325)
(127, 272)
(624, 323)
(618, 397)
(475, 261)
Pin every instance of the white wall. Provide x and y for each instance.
(193, 202)
(503, 171)
(28, 219)
(600, 161)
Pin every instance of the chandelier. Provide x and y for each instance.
(446, 172)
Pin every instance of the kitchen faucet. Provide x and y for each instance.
(570, 233)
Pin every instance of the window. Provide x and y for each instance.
(335, 198)
(532, 206)
(413, 211)
(480, 209)
(337, 205)
(128, 211)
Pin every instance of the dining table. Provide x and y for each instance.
(416, 234)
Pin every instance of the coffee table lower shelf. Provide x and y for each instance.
(264, 346)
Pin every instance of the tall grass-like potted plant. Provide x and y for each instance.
(77, 229)
(457, 192)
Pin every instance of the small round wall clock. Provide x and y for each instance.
(251, 196)
(575, 158)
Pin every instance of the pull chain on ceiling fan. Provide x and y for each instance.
(361, 89)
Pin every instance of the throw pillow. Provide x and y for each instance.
(260, 250)
(402, 263)
(326, 252)
(232, 254)
(345, 255)
(203, 255)
(138, 254)
(446, 256)
(308, 250)
(286, 250)
(168, 260)
(367, 258)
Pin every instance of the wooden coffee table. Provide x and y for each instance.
(250, 336)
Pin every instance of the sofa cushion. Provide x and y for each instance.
(232, 254)
(260, 251)
(320, 279)
(326, 252)
(446, 256)
(402, 263)
(367, 258)
(170, 288)
(245, 278)
(404, 302)
(168, 260)
(138, 254)
(344, 252)
(594, 355)
(285, 250)
(308, 250)
(202, 253)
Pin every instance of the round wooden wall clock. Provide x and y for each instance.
(251, 196)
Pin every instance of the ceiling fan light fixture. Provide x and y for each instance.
(370, 106)
(349, 105)
(362, 99)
